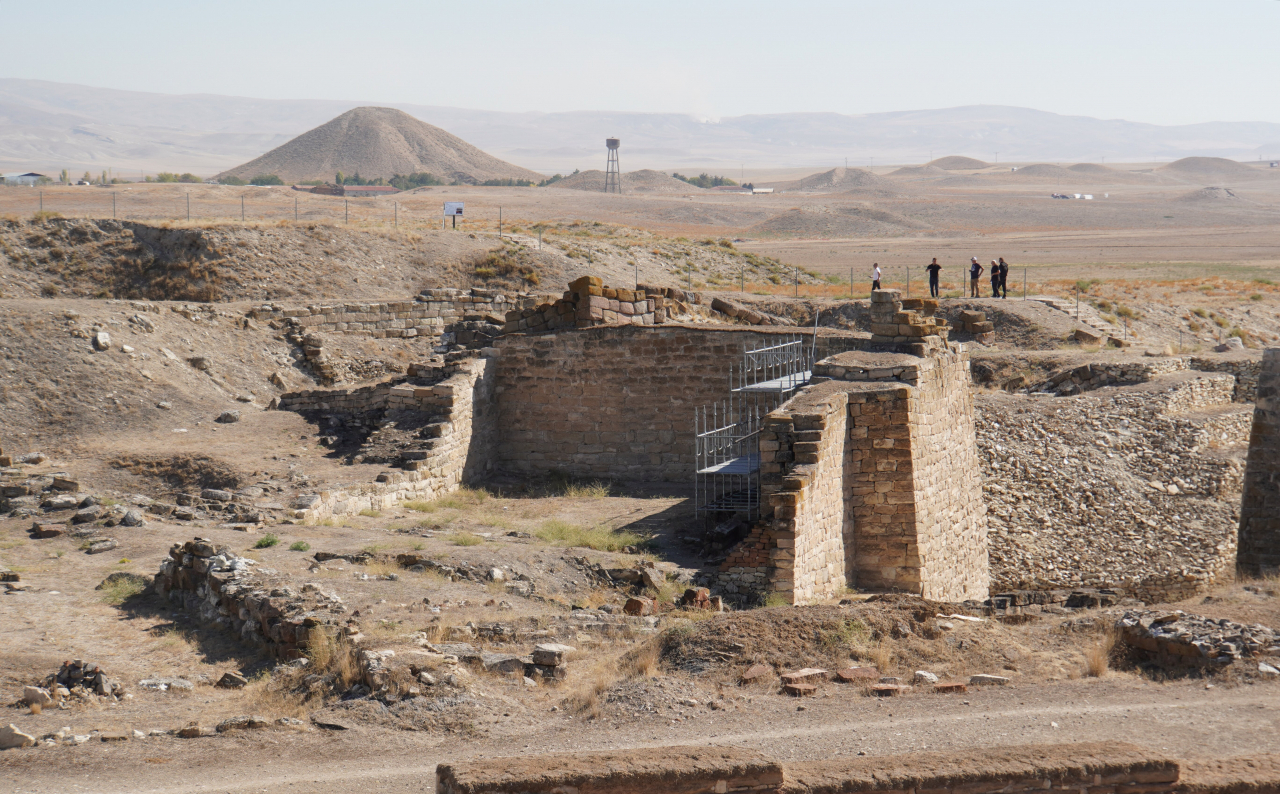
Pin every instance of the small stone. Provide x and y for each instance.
(36, 696)
(12, 738)
(32, 458)
(232, 680)
(551, 654)
(1268, 670)
(126, 349)
(925, 677)
(88, 515)
(189, 731)
(133, 518)
(638, 607)
(114, 736)
(102, 341)
(165, 405)
(988, 680)
(99, 546)
(139, 735)
(228, 417)
(496, 575)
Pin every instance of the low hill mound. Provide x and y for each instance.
(836, 221)
(957, 163)
(1210, 194)
(1091, 168)
(1042, 172)
(379, 142)
(837, 180)
(643, 181)
(1209, 168)
(919, 171)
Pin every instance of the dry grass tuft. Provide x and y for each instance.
(1097, 657)
(600, 538)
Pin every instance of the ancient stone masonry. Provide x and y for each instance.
(976, 323)
(617, 402)
(1259, 547)
(589, 303)
(1240, 387)
(872, 476)
(1176, 639)
(453, 443)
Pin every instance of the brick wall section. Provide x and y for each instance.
(1093, 767)
(617, 402)
(427, 315)
(462, 450)
(1258, 551)
(1096, 375)
(1245, 370)
(803, 449)
(874, 482)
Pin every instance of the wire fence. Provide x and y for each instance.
(236, 204)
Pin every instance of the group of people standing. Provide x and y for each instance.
(999, 277)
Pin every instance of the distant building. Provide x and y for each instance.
(21, 179)
(1275, 163)
(759, 190)
(367, 191)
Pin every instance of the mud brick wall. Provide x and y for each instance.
(614, 402)
(1258, 551)
(461, 451)
(1093, 767)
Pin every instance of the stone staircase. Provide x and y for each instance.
(1087, 315)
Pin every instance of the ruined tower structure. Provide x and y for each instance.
(1258, 551)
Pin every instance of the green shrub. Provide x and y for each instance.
(266, 179)
(416, 179)
(465, 539)
(232, 180)
(266, 541)
(1201, 313)
(300, 545)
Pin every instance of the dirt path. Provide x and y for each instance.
(1182, 718)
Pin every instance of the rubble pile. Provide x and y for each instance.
(1110, 492)
(223, 588)
(1179, 639)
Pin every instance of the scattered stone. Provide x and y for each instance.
(855, 674)
(190, 731)
(800, 690)
(924, 677)
(241, 723)
(888, 690)
(164, 405)
(232, 680)
(328, 724)
(1267, 670)
(983, 679)
(638, 607)
(804, 674)
(114, 736)
(950, 687)
(63, 484)
(199, 362)
(755, 672)
(12, 738)
(139, 735)
(102, 341)
(36, 696)
(228, 417)
(551, 654)
(88, 515)
(496, 575)
(44, 531)
(133, 518)
(99, 546)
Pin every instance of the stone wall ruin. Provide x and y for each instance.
(1258, 552)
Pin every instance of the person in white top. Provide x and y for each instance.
(875, 276)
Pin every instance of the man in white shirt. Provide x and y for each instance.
(875, 276)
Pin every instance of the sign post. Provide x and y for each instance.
(453, 209)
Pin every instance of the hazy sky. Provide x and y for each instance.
(1166, 62)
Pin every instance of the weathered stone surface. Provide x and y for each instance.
(228, 417)
(12, 738)
(983, 679)
(232, 680)
(551, 653)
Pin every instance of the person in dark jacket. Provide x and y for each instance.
(934, 269)
(1004, 278)
(995, 280)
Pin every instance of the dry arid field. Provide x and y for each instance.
(436, 511)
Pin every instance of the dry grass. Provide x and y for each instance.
(465, 539)
(1097, 657)
(600, 538)
(121, 590)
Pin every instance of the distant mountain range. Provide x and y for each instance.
(48, 126)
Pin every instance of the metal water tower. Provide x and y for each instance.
(612, 176)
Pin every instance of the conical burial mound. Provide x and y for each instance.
(379, 142)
